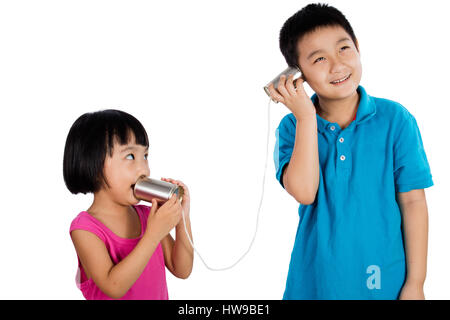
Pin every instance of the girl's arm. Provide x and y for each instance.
(116, 280)
(112, 280)
(414, 211)
(179, 254)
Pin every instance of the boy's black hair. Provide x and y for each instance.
(89, 140)
(308, 20)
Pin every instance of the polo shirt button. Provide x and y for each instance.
(341, 140)
(342, 157)
(332, 128)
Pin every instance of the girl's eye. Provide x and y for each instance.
(346, 47)
(319, 59)
(146, 157)
(130, 157)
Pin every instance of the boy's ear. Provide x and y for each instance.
(356, 44)
(303, 77)
(302, 74)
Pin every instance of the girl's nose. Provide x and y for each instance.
(144, 172)
(144, 169)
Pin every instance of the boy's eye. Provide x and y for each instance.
(319, 59)
(346, 47)
(146, 157)
(130, 156)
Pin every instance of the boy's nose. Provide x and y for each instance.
(337, 66)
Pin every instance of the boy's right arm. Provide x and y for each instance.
(301, 176)
(115, 280)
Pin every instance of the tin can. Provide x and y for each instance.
(148, 189)
(286, 73)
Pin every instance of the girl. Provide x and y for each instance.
(122, 248)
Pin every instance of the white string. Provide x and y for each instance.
(257, 215)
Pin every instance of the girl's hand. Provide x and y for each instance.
(186, 197)
(295, 99)
(412, 291)
(161, 220)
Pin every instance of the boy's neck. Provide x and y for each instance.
(340, 111)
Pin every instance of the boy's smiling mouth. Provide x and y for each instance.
(340, 81)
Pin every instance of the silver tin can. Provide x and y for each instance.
(147, 189)
(286, 73)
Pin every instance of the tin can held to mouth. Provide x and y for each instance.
(147, 189)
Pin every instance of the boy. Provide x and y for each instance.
(357, 166)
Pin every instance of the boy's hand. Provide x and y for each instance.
(295, 99)
(161, 220)
(412, 291)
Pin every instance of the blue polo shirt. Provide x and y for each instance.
(349, 241)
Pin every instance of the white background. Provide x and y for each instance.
(192, 72)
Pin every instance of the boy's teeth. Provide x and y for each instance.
(338, 81)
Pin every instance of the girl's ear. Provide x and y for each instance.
(103, 181)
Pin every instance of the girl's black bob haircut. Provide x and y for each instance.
(307, 20)
(89, 140)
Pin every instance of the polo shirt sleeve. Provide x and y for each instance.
(284, 145)
(411, 168)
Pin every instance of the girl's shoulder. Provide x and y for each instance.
(84, 221)
(81, 219)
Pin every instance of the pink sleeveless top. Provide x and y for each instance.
(151, 285)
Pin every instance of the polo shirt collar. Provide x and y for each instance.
(366, 110)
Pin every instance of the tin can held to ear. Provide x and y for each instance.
(287, 72)
(147, 189)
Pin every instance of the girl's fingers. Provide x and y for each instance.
(154, 206)
(177, 182)
(173, 199)
(168, 180)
